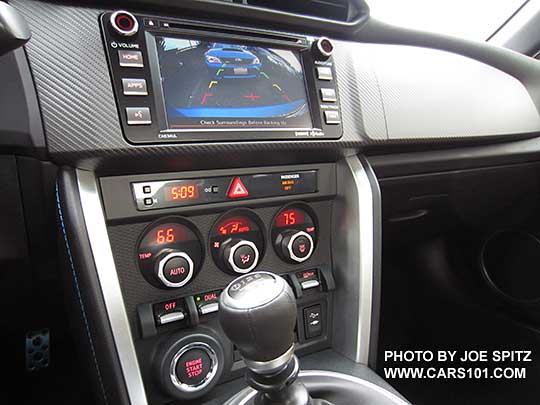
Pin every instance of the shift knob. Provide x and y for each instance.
(258, 314)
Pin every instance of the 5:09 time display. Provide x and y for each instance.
(182, 192)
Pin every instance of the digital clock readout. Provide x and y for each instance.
(182, 192)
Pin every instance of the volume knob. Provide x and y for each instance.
(124, 23)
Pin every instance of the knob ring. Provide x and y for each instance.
(271, 366)
(321, 50)
(233, 250)
(183, 387)
(164, 261)
(290, 249)
(120, 30)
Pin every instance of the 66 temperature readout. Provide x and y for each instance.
(182, 192)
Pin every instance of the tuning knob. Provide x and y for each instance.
(295, 246)
(124, 23)
(174, 269)
(323, 48)
(240, 255)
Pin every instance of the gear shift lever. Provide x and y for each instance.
(258, 314)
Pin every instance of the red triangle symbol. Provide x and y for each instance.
(237, 189)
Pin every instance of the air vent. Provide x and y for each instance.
(339, 10)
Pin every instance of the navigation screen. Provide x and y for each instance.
(214, 85)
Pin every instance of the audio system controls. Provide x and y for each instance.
(237, 241)
(124, 23)
(294, 233)
(156, 64)
(170, 253)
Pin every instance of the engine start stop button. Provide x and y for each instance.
(193, 367)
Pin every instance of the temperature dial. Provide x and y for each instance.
(237, 242)
(294, 233)
(170, 253)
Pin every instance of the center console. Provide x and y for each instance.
(179, 238)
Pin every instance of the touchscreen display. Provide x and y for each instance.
(217, 85)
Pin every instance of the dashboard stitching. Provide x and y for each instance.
(76, 283)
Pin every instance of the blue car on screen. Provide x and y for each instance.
(228, 61)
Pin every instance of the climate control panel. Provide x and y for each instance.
(170, 251)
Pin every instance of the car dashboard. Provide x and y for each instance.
(181, 146)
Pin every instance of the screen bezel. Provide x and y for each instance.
(161, 115)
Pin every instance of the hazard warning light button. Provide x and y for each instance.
(237, 189)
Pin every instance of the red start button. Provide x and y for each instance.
(193, 367)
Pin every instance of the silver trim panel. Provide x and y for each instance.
(108, 279)
(353, 244)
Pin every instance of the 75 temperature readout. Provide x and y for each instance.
(182, 192)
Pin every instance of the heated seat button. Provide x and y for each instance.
(244, 257)
(176, 270)
(313, 321)
(193, 367)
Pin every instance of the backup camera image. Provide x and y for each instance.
(221, 85)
